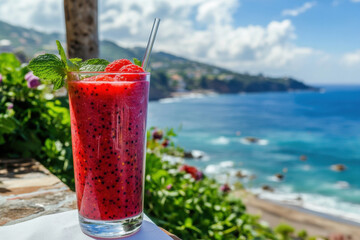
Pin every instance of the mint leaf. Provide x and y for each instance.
(48, 67)
(94, 65)
(58, 83)
(69, 64)
(61, 52)
(137, 62)
(75, 61)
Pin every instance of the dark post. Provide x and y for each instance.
(81, 19)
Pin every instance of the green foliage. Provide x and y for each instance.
(302, 235)
(285, 231)
(35, 125)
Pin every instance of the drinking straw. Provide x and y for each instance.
(150, 44)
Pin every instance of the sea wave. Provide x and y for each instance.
(169, 100)
(183, 96)
(257, 141)
(220, 141)
(225, 172)
(314, 202)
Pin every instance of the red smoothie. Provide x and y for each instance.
(108, 127)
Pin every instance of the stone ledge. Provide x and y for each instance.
(28, 190)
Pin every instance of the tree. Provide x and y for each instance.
(81, 19)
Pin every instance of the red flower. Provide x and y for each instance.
(225, 188)
(165, 143)
(196, 174)
(157, 134)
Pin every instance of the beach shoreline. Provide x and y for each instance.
(315, 223)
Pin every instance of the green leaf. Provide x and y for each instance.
(58, 83)
(75, 61)
(61, 52)
(137, 62)
(48, 67)
(7, 125)
(71, 66)
(94, 65)
(8, 61)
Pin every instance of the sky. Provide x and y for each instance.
(317, 42)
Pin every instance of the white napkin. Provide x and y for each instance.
(65, 226)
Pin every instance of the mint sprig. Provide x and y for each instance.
(54, 69)
(49, 67)
(94, 65)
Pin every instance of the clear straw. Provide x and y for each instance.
(150, 44)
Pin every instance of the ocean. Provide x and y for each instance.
(323, 126)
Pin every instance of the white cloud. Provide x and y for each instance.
(202, 30)
(44, 15)
(351, 59)
(297, 11)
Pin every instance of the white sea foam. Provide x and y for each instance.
(220, 141)
(342, 185)
(273, 179)
(261, 142)
(169, 100)
(211, 169)
(197, 153)
(225, 172)
(226, 164)
(190, 95)
(314, 202)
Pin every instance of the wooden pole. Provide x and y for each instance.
(81, 19)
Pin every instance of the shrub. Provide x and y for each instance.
(32, 122)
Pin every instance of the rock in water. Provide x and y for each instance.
(338, 167)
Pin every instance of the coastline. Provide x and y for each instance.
(200, 93)
(315, 223)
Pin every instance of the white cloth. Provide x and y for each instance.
(65, 226)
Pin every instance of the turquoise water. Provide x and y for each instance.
(323, 126)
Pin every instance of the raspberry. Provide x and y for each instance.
(131, 69)
(132, 73)
(116, 65)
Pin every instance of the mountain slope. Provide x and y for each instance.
(169, 73)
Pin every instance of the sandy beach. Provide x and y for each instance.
(276, 213)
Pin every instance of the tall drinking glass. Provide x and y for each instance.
(108, 129)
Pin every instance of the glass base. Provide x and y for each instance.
(111, 229)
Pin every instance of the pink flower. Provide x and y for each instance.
(10, 106)
(1, 78)
(168, 187)
(32, 80)
(225, 188)
(33, 83)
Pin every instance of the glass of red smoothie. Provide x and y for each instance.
(108, 128)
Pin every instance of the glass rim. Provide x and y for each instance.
(110, 73)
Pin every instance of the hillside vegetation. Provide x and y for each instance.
(169, 73)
